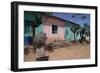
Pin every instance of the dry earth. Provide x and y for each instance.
(79, 51)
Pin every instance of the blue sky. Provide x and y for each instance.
(77, 19)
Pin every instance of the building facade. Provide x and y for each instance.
(54, 27)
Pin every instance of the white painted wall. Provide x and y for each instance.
(5, 17)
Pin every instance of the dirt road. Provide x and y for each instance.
(80, 51)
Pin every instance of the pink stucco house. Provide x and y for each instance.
(53, 27)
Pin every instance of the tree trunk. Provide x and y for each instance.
(33, 30)
(74, 36)
(82, 38)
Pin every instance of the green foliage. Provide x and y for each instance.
(32, 17)
(35, 17)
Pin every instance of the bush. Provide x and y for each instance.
(39, 40)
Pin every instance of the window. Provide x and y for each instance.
(54, 29)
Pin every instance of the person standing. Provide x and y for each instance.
(42, 54)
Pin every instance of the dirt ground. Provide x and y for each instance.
(79, 51)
